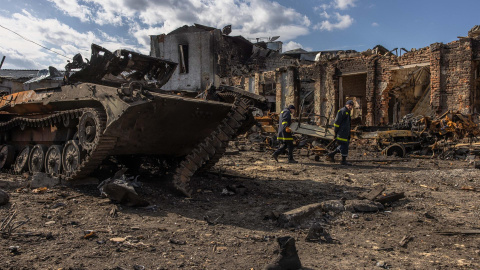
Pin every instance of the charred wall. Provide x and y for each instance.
(453, 76)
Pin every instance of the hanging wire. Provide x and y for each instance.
(34, 42)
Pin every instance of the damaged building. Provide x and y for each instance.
(13, 80)
(385, 87)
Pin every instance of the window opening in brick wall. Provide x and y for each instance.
(183, 58)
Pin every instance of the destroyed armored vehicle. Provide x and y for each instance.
(113, 105)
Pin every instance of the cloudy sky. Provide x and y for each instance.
(39, 33)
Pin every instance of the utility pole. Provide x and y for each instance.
(1, 64)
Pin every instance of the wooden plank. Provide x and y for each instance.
(391, 197)
(372, 194)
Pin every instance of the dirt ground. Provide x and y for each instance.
(237, 230)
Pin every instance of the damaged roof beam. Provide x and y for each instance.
(410, 66)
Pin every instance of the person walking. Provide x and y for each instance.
(342, 133)
(285, 134)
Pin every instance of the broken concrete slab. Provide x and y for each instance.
(295, 217)
(4, 197)
(40, 179)
(363, 206)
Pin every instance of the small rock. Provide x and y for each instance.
(4, 197)
(355, 216)
(49, 236)
(50, 222)
(118, 239)
(120, 190)
(40, 179)
(14, 249)
(177, 242)
(317, 233)
(225, 192)
(382, 264)
(57, 205)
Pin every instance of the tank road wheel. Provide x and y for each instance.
(53, 160)
(89, 130)
(7, 156)
(396, 150)
(36, 159)
(71, 157)
(21, 162)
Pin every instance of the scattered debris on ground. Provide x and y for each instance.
(404, 214)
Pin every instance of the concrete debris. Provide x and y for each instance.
(4, 197)
(336, 206)
(363, 206)
(122, 190)
(301, 215)
(317, 233)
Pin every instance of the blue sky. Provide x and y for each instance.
(70, 26)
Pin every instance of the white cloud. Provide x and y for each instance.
(344, 4)
(73, 9)
(51, 34)
(325, 14)
(251, 17)
(291, 45)
(374, 24)
(342, 22)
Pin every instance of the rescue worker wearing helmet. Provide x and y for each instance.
(342, 133)
(284, 134)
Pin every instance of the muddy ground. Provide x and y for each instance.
(237, 229)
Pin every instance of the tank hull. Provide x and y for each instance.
(110, 108)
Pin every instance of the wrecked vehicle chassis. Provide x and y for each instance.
(69, 131)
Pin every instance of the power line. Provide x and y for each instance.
(34, 42)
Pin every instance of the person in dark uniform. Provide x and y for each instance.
(285, 134)
(342, 133)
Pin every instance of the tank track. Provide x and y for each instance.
(93, 158)
(207, 153)
(99, 152)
